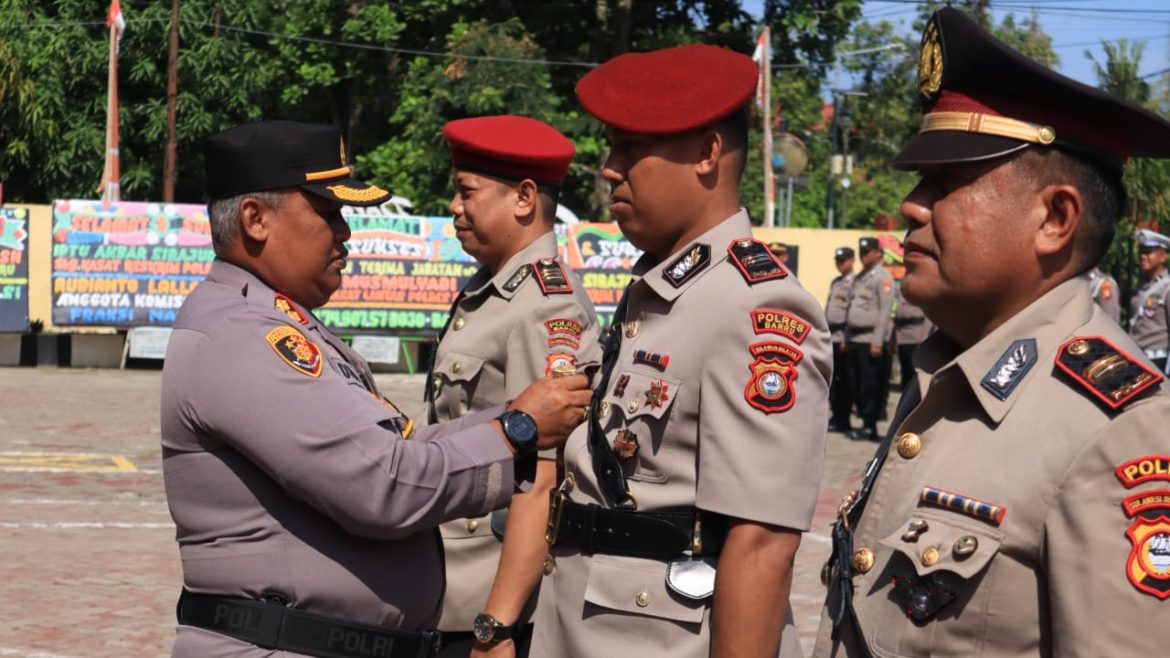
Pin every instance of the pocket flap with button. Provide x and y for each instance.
(941, 541)
(635, 394)
(638, 586)
(459, 367)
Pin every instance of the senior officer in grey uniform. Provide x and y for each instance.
(520, 316)
(1149, 318)
(1019, 506)
(1105, 292)
(836, 309)
(687, 491)
(306, 522)
(868, 325)
(911, 327)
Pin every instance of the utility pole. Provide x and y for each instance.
(769, 172)
(172, 96)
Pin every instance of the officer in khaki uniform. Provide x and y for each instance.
(1149, 318)
(1020, 505)
(306, 523)
(836, 309)
(911, 327)
(687, 490)
(522, 314)
(868, 325)
(1105, 292)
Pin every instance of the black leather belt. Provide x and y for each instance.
(902, 322)
(653, 535)
(859, 328)
(836, 326)
(270, 624)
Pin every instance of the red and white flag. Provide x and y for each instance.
(115, 20)
(758, 55)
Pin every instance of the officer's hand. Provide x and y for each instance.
(557, 404)
(501, 649)
(875, 351)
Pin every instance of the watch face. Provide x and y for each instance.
(483, 628)
(521, 427)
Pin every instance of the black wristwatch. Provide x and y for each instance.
(520, 430)
(487, 628)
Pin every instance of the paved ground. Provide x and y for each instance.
(90, 566)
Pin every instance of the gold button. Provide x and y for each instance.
(633, 405)
(863, 560)
(569, 482)
(642, 599)
(1046, 134)
(930, 556)
(909, 445)
(631, 328)
(1078, 348)
(472, 524)
(550, 565)
(456, 367)
(435, 385)
(458, 323)
(965, 546)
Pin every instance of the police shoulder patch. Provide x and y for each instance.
(518, 277)
(297, 351)
(286, 305)
(773, 371)
(559, 361)
(1113, 377)
(775, 321)
(755, 261)
(550, 274)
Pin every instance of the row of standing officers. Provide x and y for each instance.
(658, 474)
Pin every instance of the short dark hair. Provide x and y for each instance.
(734, 128)
(1103, 193)
(549, 196)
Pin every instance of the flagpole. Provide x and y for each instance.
(111, 177)
(769, 174)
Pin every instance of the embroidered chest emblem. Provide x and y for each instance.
(656, 396)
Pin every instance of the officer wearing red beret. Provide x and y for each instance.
(522, 315)
(1019, 504)
(674, 530)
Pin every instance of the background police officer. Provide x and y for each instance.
(871, 300)
(1018, 507)
(519, 317)
(1105, 292)
(911, 327)
(836, 309)
(305, 522)
(1149, 319)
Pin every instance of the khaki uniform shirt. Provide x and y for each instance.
(871, 298)
(911, 325)
(687, 384)
(501, 339)
(1149, 323)
(837, 306)
(1050, 570)
(1106, 293)
(285, 470)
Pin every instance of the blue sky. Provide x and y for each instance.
(1074, 25)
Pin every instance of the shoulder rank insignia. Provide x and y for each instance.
(755, 261)
(971, 507)
(1112, 376)
(518, 277)
(1009, 371)
(289, 308)
(551, 276)
(297, 351)
(774, 321)
(770, 387)
(693, 261)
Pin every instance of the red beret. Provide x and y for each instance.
(668, 91)
(510, 147)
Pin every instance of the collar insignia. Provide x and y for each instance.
(755, 261)
(518, 277)
(1009, 371)
(695, 260)
(286, 306)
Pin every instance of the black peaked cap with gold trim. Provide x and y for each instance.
(981, 100)
(269, 155)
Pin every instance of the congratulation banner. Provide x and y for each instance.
(13, 269)
(128, 264)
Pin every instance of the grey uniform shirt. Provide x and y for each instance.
(506, 333)
(911, 325)
(724, 384)
(1046, 567)
(1106, 293)
(837, 305)
(871, 298)
(285, 471)
(1149, 322)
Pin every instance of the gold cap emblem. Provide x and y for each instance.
(930, 62)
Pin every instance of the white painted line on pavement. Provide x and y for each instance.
(25, 653)
(86, 525)
(103, 503)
